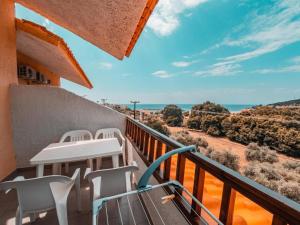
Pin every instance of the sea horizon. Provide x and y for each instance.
(187, 107)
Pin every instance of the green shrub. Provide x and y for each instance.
(205, 117)
(158, 126)
(172, 115)
(276, 177)
(291, 190)
(194, 123)
(186, 139)
(225, 157)
(292, 165)
(262, 154)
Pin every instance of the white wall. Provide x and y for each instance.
(41, 115)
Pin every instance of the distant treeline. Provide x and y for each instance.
(278, 128)
(287, 103)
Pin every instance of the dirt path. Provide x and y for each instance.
(221, 143)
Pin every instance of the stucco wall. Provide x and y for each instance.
(41, 115)
(8, 75)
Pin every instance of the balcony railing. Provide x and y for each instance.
(151, 144)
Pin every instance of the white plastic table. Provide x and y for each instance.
(76, 151)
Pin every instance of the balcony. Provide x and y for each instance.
(228, 196)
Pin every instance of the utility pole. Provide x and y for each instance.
(134, 107)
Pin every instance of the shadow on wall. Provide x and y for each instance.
(42, 114)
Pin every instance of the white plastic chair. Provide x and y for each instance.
(75, 135)
(110, 182)
(41, 194)
(111, 133)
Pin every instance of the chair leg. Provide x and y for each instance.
(78, 196)
(33, 217)
(95, 219)
(62, 213)
(19, 216)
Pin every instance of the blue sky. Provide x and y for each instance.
(227, 51)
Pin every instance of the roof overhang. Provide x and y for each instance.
(49, 50)
(113, 26)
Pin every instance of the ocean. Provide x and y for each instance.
(187, 107)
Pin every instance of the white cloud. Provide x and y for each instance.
(294, 67)
(162, 74)
(183, 63)
(219, 70)
(267, 32)
(165, 18)
(106, 65)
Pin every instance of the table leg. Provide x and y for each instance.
(40, 170)
(98, 163)
(115, 159)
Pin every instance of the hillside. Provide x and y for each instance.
(287, 103)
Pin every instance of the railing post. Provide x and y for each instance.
(180, 168)
(133, 132)
(167, 165)
(126, 127)
(159, 147)
(142, 135)
(146, 146)
(152, 149)
(277, 220)
(131, 129)
(198, 187)
(138, 137)
(227, 204)
(136, 134)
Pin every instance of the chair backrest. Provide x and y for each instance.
(34, 194)
(76, 135)
(113, 181)
(107, 133)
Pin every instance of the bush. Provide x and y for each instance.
(292, 165)
(291, 190)
(194, 123)
(262, 154)
(172, 115)
(158, 126)
(276, 177)
(186, 139)
(283, 136)
(205, 117)
(225, 157)
(207, 106)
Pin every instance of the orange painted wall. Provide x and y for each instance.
(25, 60)
(8, 75)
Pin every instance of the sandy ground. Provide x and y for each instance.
(220, 144)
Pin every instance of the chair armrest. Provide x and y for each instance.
(76, 174)
(8, 186)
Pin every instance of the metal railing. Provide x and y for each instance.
(151, 144)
